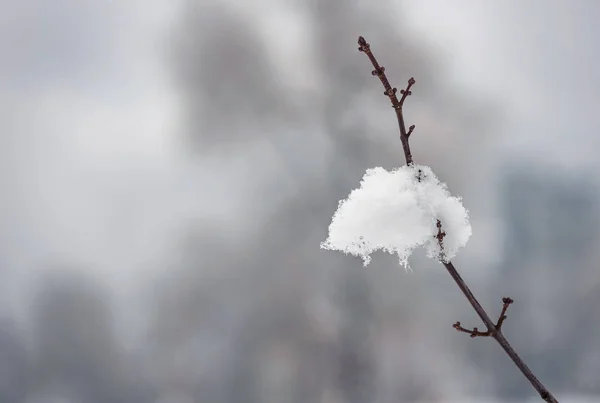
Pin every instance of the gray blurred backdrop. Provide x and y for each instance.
(169, 167)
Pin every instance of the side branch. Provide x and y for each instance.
(476, 333)
(391, 93)
(498, 336)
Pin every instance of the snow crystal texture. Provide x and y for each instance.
(397, 212)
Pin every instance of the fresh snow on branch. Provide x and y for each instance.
(397, 212)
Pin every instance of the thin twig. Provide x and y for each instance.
(440, 238)
(493, 329)
(476, 333)
(391, 93)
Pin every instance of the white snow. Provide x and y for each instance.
(397, 212)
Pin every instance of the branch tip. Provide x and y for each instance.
(505, 303)
(390, 92)
(363, 45)
(406, 92)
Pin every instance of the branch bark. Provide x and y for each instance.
(493, 329)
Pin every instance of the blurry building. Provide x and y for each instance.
(551, 222)
(549, 217)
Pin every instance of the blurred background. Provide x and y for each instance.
(169, 168)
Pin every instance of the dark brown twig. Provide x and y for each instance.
(476, 333)
(391, 93)
(506, 301)
(493, 329)
(440, 238)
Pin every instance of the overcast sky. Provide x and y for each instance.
(539, 57)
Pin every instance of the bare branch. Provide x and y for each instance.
(506, 302)
(473, 333)
(391, 93)
(493, 329)
(476, 333)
